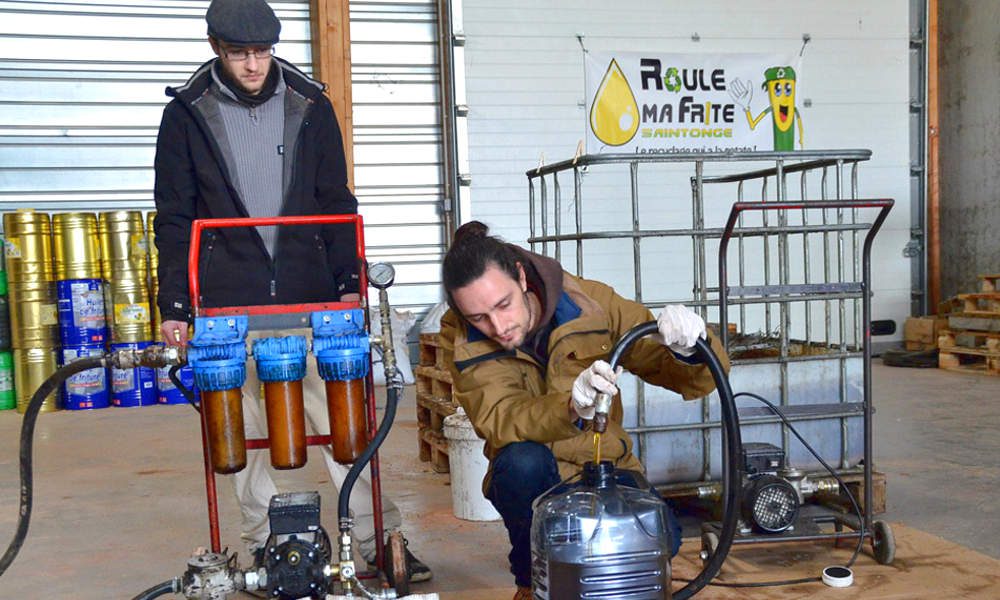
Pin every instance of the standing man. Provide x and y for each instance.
(249, 135)
(527, 343)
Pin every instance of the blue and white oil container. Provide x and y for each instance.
(133, 387)
(167, 392)
(81, 312)
(87, 389)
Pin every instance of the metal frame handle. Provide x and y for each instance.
(884, 205)
(194, 250)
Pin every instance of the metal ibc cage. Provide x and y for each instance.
(794, 293)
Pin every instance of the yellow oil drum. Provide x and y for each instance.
(76, 246)
(34, 314)
(124, 248)
(28, 245)
(129, 310)
(155, 313)
(151, 244)
(32, 366)
(154, 283)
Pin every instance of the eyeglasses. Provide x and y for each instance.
(241, 54)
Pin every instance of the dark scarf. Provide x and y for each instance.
(270, 84)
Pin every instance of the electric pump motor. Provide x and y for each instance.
(298, 550)
(770, 504)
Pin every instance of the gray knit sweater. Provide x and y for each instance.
(255, 156)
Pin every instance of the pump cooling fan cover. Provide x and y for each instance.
(770, 504)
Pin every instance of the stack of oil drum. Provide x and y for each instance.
(79, 284)
(125, 271)
(83, 327)
(33, 314)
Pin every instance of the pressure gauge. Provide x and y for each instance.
(381, 275)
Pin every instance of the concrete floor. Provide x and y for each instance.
(119, 494)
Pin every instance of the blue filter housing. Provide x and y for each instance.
(281, 358)
(341, 344)
(218, 353)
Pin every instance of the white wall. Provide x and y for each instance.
(525, 91)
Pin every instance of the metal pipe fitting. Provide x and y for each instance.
(602, 407)
(209, 576)
(388, 352)
(154, 356)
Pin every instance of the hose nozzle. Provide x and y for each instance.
(602, 406)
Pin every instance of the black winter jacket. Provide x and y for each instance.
(310, 263)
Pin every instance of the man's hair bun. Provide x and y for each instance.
(471, 231)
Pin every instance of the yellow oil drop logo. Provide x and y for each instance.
(614, 115)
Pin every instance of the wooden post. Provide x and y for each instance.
(330, 22)
(933, 172)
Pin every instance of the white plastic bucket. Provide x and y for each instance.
(468, 467)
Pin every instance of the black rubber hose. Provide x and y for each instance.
(185, 391)
(343, 504)
(171, 586)
(732, 445)
(27, 437)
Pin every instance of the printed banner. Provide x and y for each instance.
(656, 103)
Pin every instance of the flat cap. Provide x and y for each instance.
(242, 22)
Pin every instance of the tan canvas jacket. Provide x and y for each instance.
(510, 398)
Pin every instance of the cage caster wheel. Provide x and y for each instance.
(709, 546)
(396, 568)
(883, 543)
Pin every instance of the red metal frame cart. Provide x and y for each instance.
(262, 311)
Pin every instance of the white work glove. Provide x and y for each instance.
(596, 378)
(741, 93)
(680, 327)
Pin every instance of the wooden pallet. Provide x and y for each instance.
(969, 338)
(856, 483)
(431, 352)
(921, 333)
(969, 360)
(434, 403)
(433, 381)
(985, 304)
(969, 351)
(436, 447)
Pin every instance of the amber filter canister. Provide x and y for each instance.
(224, 422)
(286, 425)
(345, 400)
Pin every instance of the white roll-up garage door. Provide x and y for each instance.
(81, 94)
